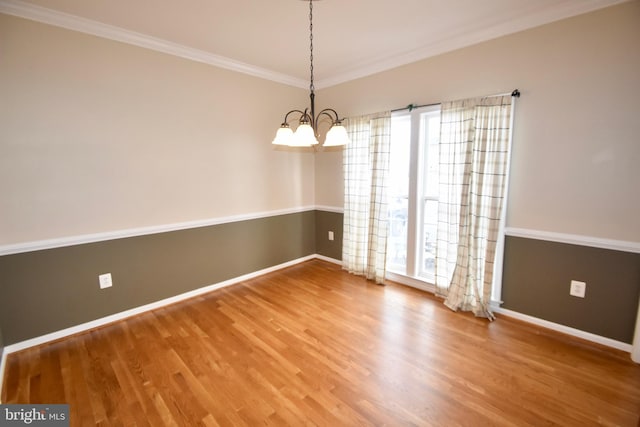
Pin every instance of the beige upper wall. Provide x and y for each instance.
(99, 136)
(576, 156)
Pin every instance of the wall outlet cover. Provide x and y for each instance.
(578, 289)
(105, 280)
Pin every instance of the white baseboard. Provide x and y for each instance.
(565, 329)
(12, 348)
(326, 258)
(43, 339)
(3, 362)
(407, 281)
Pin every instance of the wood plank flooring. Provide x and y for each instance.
(313, 345)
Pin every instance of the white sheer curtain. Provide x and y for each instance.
(474, 155)
(366, 165)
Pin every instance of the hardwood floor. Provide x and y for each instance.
(313, 345)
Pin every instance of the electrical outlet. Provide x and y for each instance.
(331, 235)
(578, 289)
(105, 280)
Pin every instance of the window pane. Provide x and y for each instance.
(399, 158)
(398, 194)
(431, 143)
(397, 240)
(429, 230)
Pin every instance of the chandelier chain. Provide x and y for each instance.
(311, 86)
(306, 133)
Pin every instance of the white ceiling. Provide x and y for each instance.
(270, 38)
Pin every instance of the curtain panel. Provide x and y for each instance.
(366, 165)
(474, 154)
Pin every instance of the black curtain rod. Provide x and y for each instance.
(411, 107)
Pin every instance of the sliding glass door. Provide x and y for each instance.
(413, 193)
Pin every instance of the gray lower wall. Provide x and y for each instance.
(50, 290)
(325, 222)
(537, 276)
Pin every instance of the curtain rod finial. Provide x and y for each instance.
(516, 93)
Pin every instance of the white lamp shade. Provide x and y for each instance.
(284, 136)
(336, 136)
(304, 136)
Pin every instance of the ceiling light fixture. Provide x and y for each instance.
(306, 134)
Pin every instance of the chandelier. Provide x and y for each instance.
(306, 134)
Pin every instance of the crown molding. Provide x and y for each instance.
(467, 36)
(95, 28)
(464, 37)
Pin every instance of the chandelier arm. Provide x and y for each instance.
(334, 117)
(325, 113)
(307, 117)
(302, 114)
